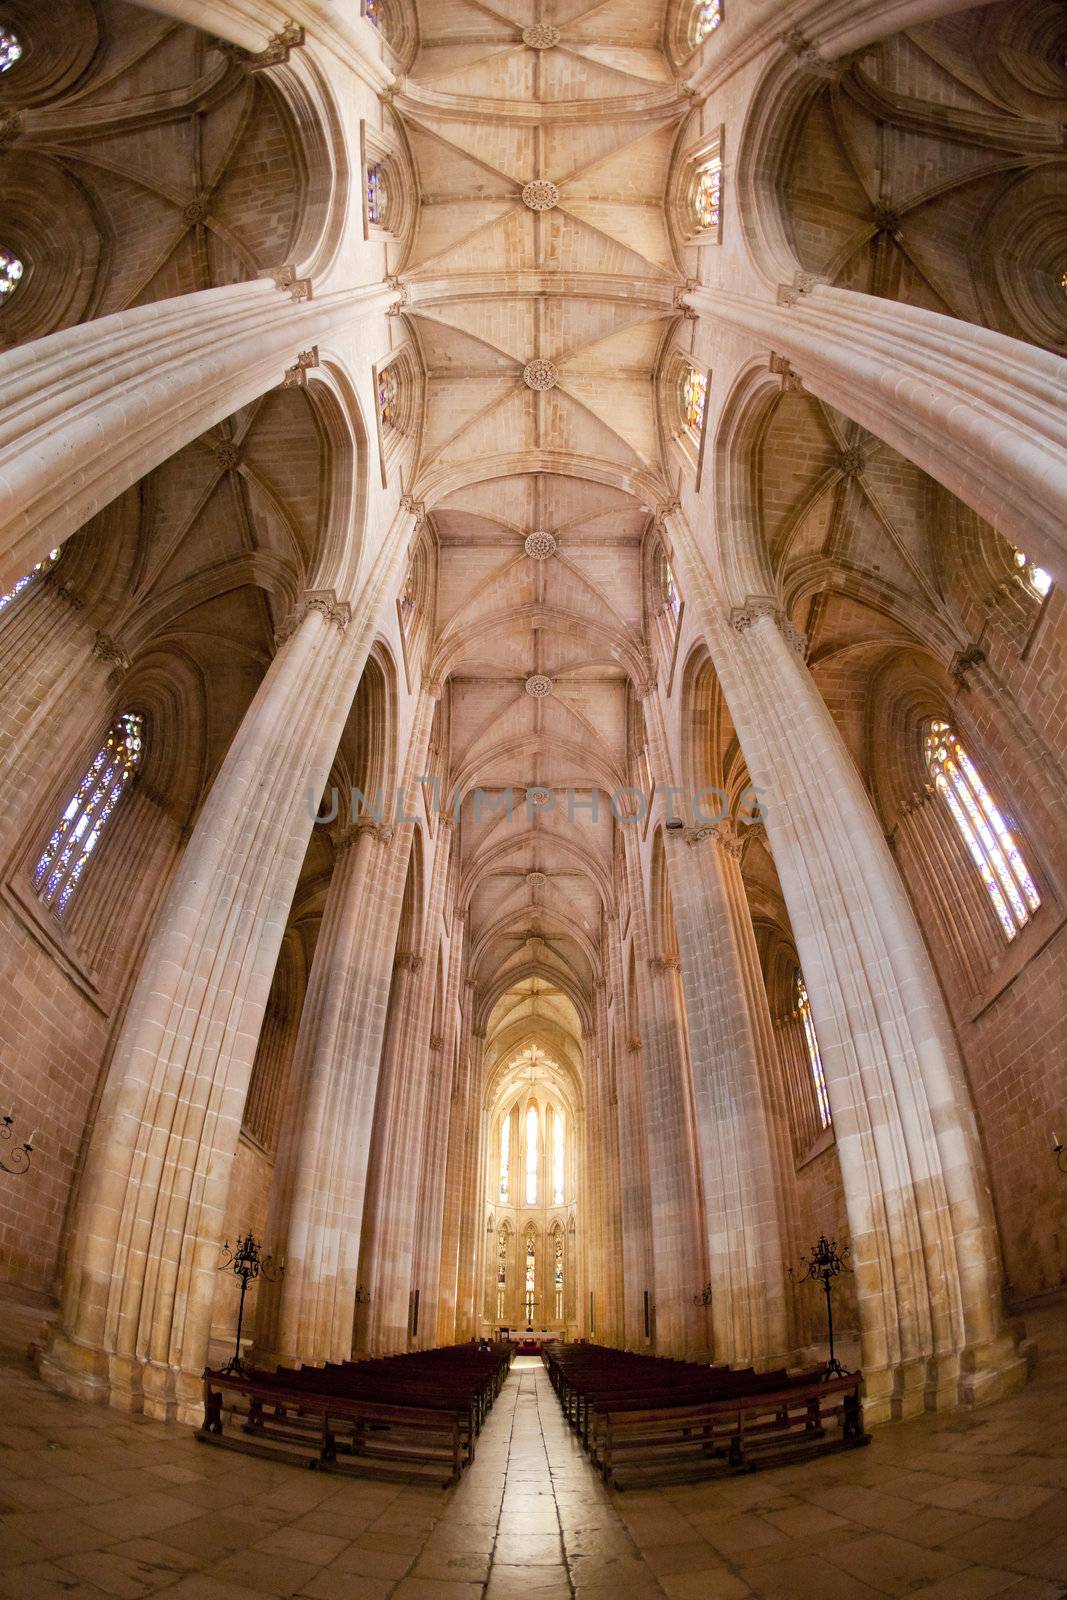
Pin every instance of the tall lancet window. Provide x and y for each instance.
(531, 1277)
(558, 1277)
(23, 583)
(984, 830)
(66, 855)
(811, 1041)
(505, 1159)
(532, 1153)
(558, 1151)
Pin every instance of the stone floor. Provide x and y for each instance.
(95, 1504)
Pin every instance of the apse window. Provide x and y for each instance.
(90, 809)
(672, 600)
(558, 1154)
(23, 583)
(10, 49)
(377, 194)
(984, 831)
(1036, 579)
(694, 397)
(532, 1137)
(10, 272)
(707, 18)
(811, 1043)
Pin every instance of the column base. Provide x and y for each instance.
(125, 1383)
(971, 1377)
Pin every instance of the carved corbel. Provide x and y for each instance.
(275, 53)
(802, 283)
(107, 649)
(964, 661)
(408, 961)
(415, 508)
(296, 376)
(783, 369)
(729, 840)
(286, 278)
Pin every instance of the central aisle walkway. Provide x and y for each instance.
(531, 1515)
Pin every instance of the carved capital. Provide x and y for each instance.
(324, 601)
(695, 836)
(286, 278)
(408, 961)
(729, 840)
(345, 834)
(296, 376)
(400, 288)
(807, 57)
(415, 508)
(437, 1041)
(633, 1044)
(664, 964)
(756, 606)
(109, 650)
(802, 283)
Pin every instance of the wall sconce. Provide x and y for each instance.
(1057, 1151)
(22, 1153)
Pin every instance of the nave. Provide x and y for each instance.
(96, 1504)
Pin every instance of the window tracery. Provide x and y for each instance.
(530, 1298)
(672, 600)
(10, 49)
(505, 1159)
(811, 1041)
(558, 1158)
(10, 272)
(557, 1277)
(982, 827)
(23, 583)
(66, 855)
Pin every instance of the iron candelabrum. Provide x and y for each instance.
(22, 1153)
(246, 1263)
(824, 1264)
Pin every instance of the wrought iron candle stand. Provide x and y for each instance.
(245, 1261)
(22, 1153)
(823, 1265)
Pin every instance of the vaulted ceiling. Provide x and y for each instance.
(541, 291)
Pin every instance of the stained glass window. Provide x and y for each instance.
(388, 397)
(1037, 580)
(377, 196)
(694, 394)
(985, 832)
(10, 272)
(10, 49)
(59, 870)
(505, 1158)
(708, 17)
(672, 600)
(501, 1274)
(532, 1134)
(558, 1277)
(372, 10)
(803, 1005)
(558, 1147)
(16, 588)
(707, 195)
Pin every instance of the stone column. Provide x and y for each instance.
(388, 1248)
(91, 409)
(634, 1204)
(923, 1239)
(316, 1209)
(472, 1225)
(983, 414)
(140, 1282)
(744, 1151)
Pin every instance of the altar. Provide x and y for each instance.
(528, 1341)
